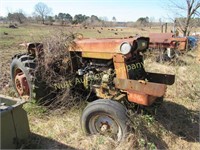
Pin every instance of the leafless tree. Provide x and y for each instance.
(190, 9)
(42, 10)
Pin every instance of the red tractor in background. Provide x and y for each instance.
(170, 45)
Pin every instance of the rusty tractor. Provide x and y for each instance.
(113, 69)
(169, 45)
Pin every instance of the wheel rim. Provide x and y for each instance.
(106, 125)
(21, 83)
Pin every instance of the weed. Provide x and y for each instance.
(33, 109)
(148, 119)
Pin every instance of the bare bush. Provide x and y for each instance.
(54, 67)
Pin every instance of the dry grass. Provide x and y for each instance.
(186, 70)
(65, 130)
(179, 114)
(173, 125)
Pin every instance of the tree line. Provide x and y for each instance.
(42, 14)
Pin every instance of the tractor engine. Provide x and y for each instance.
(97, 76)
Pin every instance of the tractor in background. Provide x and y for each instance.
(170, 45)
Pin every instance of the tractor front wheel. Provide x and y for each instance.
(105, 117)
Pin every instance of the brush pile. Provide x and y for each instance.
(54, 68)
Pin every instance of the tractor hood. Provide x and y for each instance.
(107, 47)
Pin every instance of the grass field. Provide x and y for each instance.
(173, 125)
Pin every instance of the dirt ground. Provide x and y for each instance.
(173, 125)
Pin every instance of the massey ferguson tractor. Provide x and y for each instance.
(113, 69)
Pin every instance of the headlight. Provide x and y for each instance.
(125, 48)
(141, 44)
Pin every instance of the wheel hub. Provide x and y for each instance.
(105, 127)
(21, 84)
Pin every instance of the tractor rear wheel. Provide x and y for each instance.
(105, 117)
(22, 74)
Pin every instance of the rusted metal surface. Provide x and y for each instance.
(21, 84)
(167, 40)
(100, 92)
(160, 78)
(97, 55)
(119, 58)
(120, 66)
(181, 43)
(101, 45)
(106, 48)
(149, 88)
(142, 99)
(159, 38)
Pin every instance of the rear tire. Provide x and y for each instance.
(36, 88)
(23, 65)
(105, 117)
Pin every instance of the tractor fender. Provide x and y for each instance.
(33, 48)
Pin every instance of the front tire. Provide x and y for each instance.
(105, 117)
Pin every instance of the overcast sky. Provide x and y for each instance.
(123, 10)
